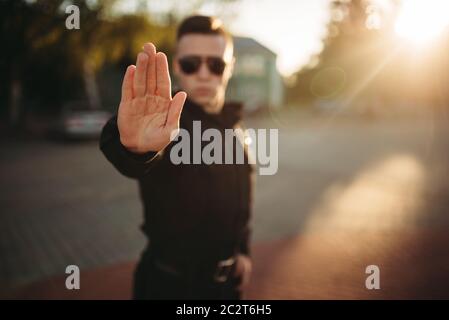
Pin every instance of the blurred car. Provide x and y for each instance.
(77, 120)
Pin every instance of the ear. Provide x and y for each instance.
(231, 67)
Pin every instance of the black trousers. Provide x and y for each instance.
(152, 283)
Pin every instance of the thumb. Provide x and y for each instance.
(175, 109)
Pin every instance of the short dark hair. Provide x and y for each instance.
(203, 25)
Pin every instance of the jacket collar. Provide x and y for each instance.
(230, 115)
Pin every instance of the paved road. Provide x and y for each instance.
(348, 193)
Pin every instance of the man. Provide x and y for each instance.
(196, 215)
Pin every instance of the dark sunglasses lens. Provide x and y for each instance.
(216, 65)
(190, 65)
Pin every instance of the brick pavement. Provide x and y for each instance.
(49, 217)
(413, 264)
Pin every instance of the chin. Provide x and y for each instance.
(203, 101)
(209, 104)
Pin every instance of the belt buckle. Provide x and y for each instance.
(224, 267)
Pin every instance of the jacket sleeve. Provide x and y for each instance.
(244, 245)
(127, 163)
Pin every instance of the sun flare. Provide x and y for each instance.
(421, 21)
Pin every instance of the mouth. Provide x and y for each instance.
(203, 91)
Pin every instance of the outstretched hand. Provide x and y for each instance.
(148, 115)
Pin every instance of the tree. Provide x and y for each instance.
(354, 54)
(25, 29)
(45, 63)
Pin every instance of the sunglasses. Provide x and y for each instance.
(191, 64)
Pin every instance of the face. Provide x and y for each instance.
(203, 86)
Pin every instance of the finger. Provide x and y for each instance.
(244, 277)
(140, 76)
(150, 50)
(241, 280)
(244, 282)
(163, 83)
(238, 267)
(174, 112)
(244, 272)
(127, 85)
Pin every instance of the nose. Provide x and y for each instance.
(203, 72)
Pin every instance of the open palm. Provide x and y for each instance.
(148, 115)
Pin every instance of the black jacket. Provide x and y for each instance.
(191, 211)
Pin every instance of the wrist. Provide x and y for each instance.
(131, 147)
(136, 151)
(138, 156)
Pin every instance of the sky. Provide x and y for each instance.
(293, 29)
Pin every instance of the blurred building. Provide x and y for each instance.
(256, 81)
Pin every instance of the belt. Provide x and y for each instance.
(218, 272)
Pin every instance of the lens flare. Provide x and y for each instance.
(422, 21)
